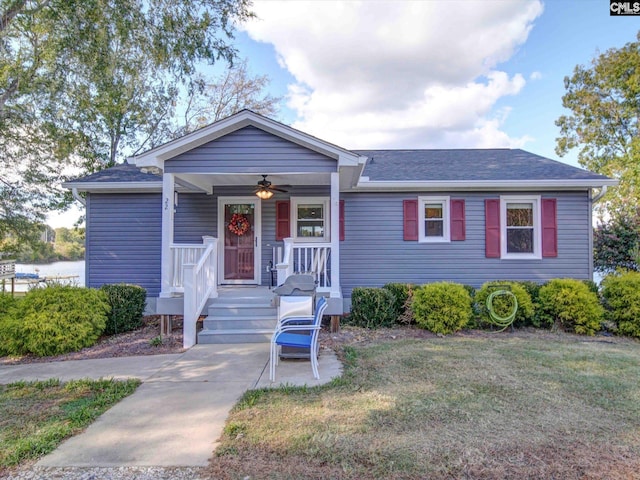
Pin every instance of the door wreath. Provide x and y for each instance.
(239, 224)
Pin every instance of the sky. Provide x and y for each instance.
(426, 73)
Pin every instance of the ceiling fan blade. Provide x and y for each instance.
(276, 189)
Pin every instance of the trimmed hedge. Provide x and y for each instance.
(127, 307)
(442, 307)
(526, 311)
(621, 293)
(55, 320)
(402, 292)
(571, 304)
(372, 308)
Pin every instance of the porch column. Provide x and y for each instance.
(166, 265)
(335, 235)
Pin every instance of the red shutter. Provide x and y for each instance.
(283, 228)
(410, 210)
(492, 228)
(341, 220)
(458, 221)
(549, 228)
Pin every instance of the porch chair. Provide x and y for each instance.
(305, 335)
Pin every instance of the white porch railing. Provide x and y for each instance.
(309, 258)
(199, 283)
(183, 254)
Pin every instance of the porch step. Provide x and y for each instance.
(235, 336)
(238, 321)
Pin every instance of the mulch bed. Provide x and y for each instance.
(137, 342)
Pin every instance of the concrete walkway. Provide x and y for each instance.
(177, 415)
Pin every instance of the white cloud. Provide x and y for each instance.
(535, 76)
(372, 74)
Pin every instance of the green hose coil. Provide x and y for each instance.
(499, 321)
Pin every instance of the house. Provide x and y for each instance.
(221, 205)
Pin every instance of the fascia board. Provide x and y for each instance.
(114, 186)
(367, 185)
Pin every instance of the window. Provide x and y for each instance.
(434, 219)
(310, 218)
(520, 227)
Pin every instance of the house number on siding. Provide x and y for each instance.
(166, 203)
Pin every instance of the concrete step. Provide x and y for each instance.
(230, 322)
(235, 336)
(220, 310)
(234, 320)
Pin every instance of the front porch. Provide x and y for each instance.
(264, 197)
(247, 251)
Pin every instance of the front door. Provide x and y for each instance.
(239, 227)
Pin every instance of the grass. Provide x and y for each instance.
(549, 406)
(36, 416)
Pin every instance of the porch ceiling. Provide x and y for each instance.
(204, 180)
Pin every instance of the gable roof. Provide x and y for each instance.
(471, 168)
(156, 156)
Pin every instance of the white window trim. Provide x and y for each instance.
(326, 202)
(537, 227)
(446, 220)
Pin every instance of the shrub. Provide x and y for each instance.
(503, 306)
(442, 307)
(57, 320)
(7, 303)
(127, 307)
(372, 308)
(533, 289)
(572, 305)
(622, 299)
(8, 323)
(402, 292)
(592, 286)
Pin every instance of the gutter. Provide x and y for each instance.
(566, 184)
(76, 195)
(603, 191)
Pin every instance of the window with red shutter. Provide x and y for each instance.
(410, 211)
(283, 220)
(458, 220)
(549, 228)
(492, 228)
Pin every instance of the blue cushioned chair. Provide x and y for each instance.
(302, 335)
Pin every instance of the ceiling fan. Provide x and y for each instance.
(265, 189)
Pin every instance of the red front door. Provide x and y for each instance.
(239, 241)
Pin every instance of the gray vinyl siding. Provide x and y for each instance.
(375, 253)
(250, 150)
(124, 240)
(196, 215)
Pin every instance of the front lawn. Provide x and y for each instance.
(488, 406)
(36, 416)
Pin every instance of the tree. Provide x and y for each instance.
(604, 100)
(224, 95)
(616, 243)
(83, 81)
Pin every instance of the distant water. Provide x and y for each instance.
(55, 269)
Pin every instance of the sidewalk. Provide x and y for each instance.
(177, 415)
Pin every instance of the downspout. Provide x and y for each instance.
(602, 193)
(76, 195)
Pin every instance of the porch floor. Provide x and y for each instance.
(245, 293)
